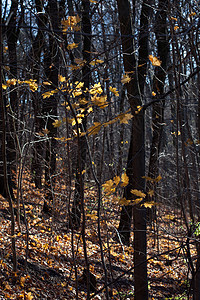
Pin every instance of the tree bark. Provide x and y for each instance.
(136, 158)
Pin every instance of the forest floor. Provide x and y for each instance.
(49, 271)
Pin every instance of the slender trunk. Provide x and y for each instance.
(81, 160)
(136, 157)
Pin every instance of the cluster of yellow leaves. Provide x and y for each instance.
(71, 23)
(49, 93)
(96, 89)
(123, 118)
(33, 86)
(96, 61)
(100, 101)
(110, 185)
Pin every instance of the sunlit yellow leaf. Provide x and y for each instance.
(153, 94)
(71, 22)
(139, 108)
(114, 91)
(4, 87)
(148, 204)
(136, 201)
(72, 46)
(96, 89)
(124, 179)
(172, 18)
(90, 110)
(96, 61)
(155, 61)
(176, 28)
(46, 83)
(138, 193)
(29, 296)
(61, 78)
(125, 79)
(57, 123)
(12, 81)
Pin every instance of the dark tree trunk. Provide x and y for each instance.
(50, 105)
(37, 48)
(136, 157)
(12, 36)
(158, 87)
(81, 159)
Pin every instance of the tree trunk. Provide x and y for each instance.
(81, 159)
(158, 87)
(136, 157)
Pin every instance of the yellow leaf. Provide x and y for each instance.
(136, 201)
(61, 78)
(157, 179)
(4, 87)
(108, 186)
(124, 179)
(139, 108)
(138, 193)
(100, 101)
(172, 18)
(96, 89)
(155, 61)
(83, 101)
(148, 178)
(114, 91)
(92, 1)
(46, 83)
(11, 82)
(70, 22)
(124, 118)
(124, 201)
(80, 61)
(176, 27)
(22, 281)
(116, 180)
(151, 193)
(94, 129)
(153, 94)
(148, 204)
(96, 61)
(72, 46)
(90, 110)
(45, 131)
(29, 296)
(192, 14)
(125, 79)
(57, 123)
